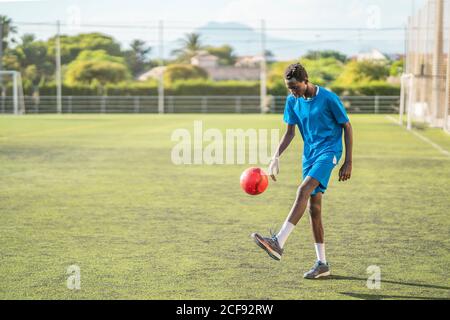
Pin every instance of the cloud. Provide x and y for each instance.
(318, 13)
(283, 13)
(20, 0)
(296, 14)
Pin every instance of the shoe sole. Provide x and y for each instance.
(325, 274)
(274, 255)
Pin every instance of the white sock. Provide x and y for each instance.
(284, 233)
(320, 252)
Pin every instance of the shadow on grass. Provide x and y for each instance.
(381, 297)
(432, 286)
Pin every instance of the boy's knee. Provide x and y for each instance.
(315, 210)
(303, 192)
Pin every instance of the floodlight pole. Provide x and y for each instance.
(15, 93)
(410, 101)
(161, 64)
(447, 100)
(437, 58)
(2, 92)
(406, 68)
(447, 93)
(58, 69)
(263, 71)
(405, 59)
(402, 99)
(1, 45)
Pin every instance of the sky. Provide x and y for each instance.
(182, 16)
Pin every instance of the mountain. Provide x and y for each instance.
(247, 41)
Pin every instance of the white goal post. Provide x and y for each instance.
(418, 108)
(11, 92)
(406, 99)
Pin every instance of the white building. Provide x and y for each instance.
(374, 55)
(154, 73)
(246, 68)
(205, 60)
(249, 61)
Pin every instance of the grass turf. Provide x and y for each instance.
(101, 192)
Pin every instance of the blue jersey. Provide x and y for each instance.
(320, 121)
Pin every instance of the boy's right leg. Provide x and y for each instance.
(301, 201)
(274, 244)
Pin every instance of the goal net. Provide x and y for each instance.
(417, 110)
(426, 84)
(11, 93)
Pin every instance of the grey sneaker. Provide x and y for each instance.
(270, 245)
(319, 270)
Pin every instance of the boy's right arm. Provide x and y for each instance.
(274, 167)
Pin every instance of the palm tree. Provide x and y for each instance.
(137, 57)
(7, 30)
(190, 45)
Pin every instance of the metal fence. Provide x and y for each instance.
(187, 104)
(427, 54)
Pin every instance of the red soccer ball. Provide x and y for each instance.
(254, 181)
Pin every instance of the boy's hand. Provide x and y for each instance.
(274, 168)
(345, 172)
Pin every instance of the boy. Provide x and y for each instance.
(321, 119)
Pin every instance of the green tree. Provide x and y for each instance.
(357, 72)
(224, 53)
(8, 30)
(10, 61)
(34, 61)
(190, 45)
(176, 72)
(97, 66)
(137, 57)
(323, 71)
(320, 71)
(323, 54)
(72, 46)
(397, 68)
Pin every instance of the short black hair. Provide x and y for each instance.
(296, 71)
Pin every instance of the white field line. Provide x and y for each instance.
(423, 138)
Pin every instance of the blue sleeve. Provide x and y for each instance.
(289, 115)
(338, 110)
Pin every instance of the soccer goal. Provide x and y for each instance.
(11, 93)
(420, 107)
(447, 103)
(407, 100)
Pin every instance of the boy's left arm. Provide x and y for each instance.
(345, 172)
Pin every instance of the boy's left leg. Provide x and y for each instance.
(315, 214)
(320, 268)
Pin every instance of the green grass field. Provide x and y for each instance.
(101, 192)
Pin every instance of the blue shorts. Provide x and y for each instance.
(321, 170)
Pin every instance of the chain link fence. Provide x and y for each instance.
(187, 104)
(427, 54)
